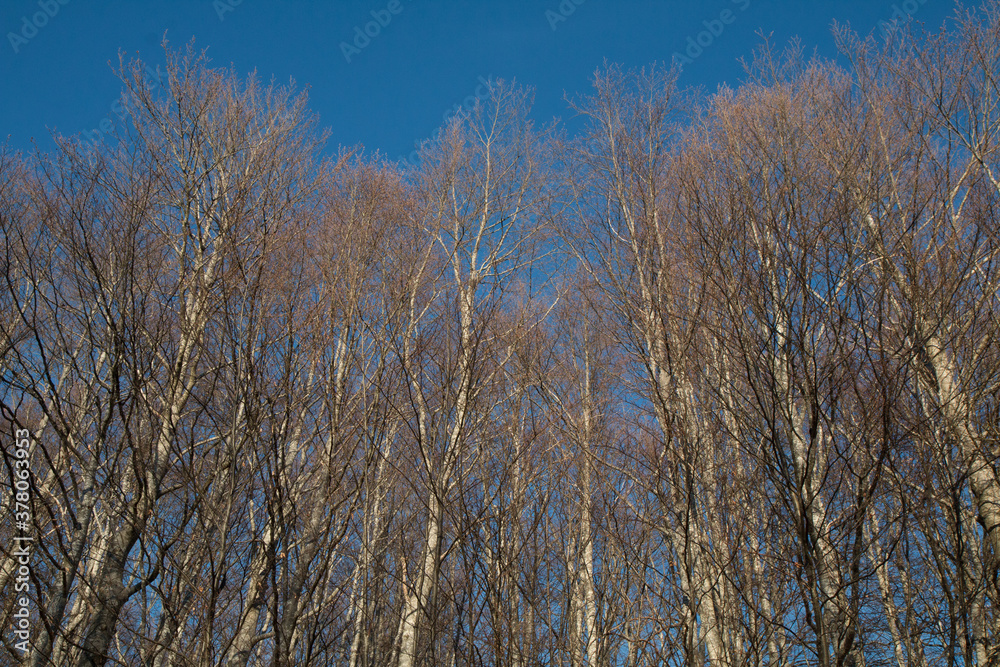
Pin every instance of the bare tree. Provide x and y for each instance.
(712, 383)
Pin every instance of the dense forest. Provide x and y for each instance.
(710, 380)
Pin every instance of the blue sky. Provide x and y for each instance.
(426, 56)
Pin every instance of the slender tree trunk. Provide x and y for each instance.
(418, 600)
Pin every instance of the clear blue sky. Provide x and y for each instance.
(425, 59)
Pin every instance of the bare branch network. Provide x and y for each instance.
(715, 382)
